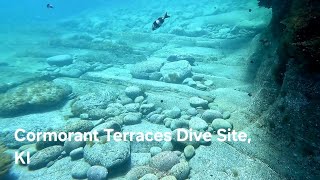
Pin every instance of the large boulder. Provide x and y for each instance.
(91, 101)
(176, 72)
(147, 69)
(60, 60)
(110, 154)
(31, 97)
(44, 156)
(164, 161)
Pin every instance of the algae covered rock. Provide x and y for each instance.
(44, 156)
(97, 173)
(60, 60)
(5, 160)
(138, 172)
(180, 171)
(197, 102)
(91, 101)
(221, 124)
(197, 123)
(176, 72)
(31, 97)
(109, 154)
(147, 69)
(210, 115)
(180, 57)
(80, 169)
(133, 92)
(164, 161)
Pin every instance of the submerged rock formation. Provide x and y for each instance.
(31, 97)
(288, 88)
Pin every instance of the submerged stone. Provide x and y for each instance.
(79, 170)
(109, 154)
(32, 97)
(44, 156)
(164, 161)
(176, 72)
(97, 173)
(60, 60)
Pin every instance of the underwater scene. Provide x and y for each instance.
(160, 89)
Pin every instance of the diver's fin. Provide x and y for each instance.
(166, 15)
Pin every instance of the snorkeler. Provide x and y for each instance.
(157, 23)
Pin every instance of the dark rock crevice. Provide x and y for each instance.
(287, 84)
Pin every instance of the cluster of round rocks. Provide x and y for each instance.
(93, 159)
(198, 81)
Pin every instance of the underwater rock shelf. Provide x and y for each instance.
(148, 85)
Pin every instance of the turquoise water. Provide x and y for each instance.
(84, 66)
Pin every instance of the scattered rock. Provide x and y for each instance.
(133, 92)
(139, 159)
(123, 99)
(197, 102)
(84, 116)
(76, 153)
(97, 173)
(197, 77)
(176, 72)
(109, 155)
(210, 115)
(147, 69)
(201, 87)
(188, 58)
(197, 123)
(139, 99)
(107, 125)
(226, 115)
(220, 124)
(76, 126)
(167, 146)
(208, 83)
(192, 111)
(179, 123)
(79, 170)
(192, 83)
(60, 60)
(174, 113)
(189, 151)
(164, 161)
(132, 118)
(181, 170)
(147, 108)
(44, 156)
(155, 150)
(149, 177)
(97, 113)
(74, 70)
(72, 144)
(169, 178)
(157, 118)
(187, 80)
(138, 172)
(182, 144)
(87, 102)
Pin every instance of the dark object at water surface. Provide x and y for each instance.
(49, 6)
(157, 23)
(250, 10)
